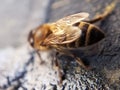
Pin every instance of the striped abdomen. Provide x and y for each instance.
(90, 34)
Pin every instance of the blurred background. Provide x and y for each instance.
(18, 17)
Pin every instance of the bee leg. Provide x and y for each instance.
(41, 60)
(108, 9)
(81, 63)
(56, 66)
(78, 60)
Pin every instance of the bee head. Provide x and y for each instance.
(36, 37)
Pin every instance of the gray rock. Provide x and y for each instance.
(21, 69)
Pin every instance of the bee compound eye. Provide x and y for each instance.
(30, 39)
(31, 42)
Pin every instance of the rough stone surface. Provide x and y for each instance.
(21, 69)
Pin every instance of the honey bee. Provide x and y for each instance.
(70, 32)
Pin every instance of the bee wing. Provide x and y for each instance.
(72, 19)
(59, 26)
(63, 31)
(70, 34)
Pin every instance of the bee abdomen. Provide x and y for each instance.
(84, 28)
(94, 35)
(91, 34)
(81, 40)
